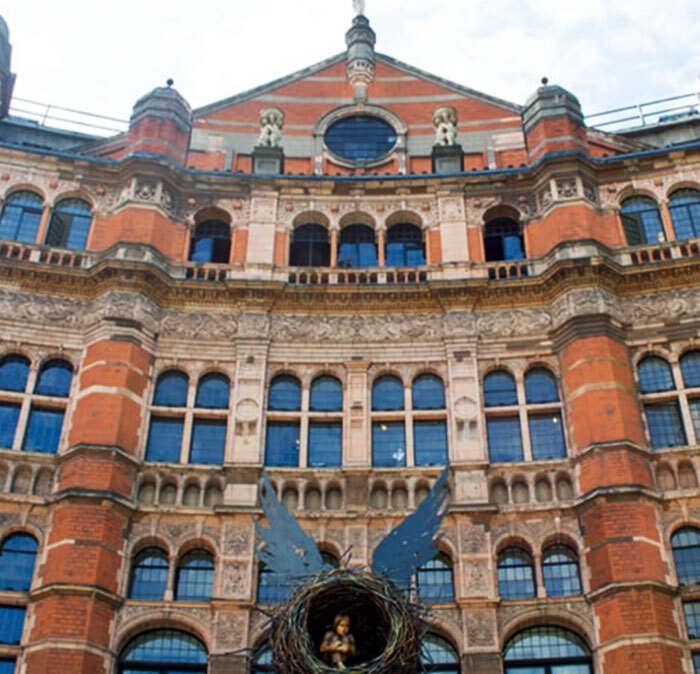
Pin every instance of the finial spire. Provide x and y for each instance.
(359, 6)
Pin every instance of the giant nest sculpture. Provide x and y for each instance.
(362, 621)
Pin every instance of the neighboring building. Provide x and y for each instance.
(393, 272)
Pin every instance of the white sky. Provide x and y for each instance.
(101, 55)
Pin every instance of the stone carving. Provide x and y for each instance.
(476, 577)
(675, 305)
(230, 631)
(145, 191)
(474, 541)
(459, 323)
(131, 306)
(263, 210)
(253, 325)
(513, 323)
(8, 519)
(358, 543)
(234, 580)
(447, 615)
(237, 541)
(590, 192)
(43, 309)
(445, 122)
(544, 196)
(198, 324)
(202, 616)
(451, 209)
(271, 125)
(480, 628)
(566, 188)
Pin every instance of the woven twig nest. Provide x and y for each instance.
(386, 626)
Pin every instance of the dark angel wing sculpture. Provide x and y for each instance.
(293, 554)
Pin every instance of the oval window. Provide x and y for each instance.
(361, 138)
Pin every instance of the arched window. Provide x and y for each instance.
(310, 247)
(14, 370)
(686, 555)
(70, 224)
(195, 576)
(282, 437)
(388, 432)
(428, 393)
(499, 389)
(439, 655)
(642, 221)
(272, 588)
(516, 574)
(387, 394)
(690, 369)
(560, 571)
(284, 394)
(21, 214)
(208, 432)
(171, 389)
(211, 242)
(502, 429)
(404, 246)
(325, 439)
(326, 395)
(540, 387)
(357, 247)
(661, 404)
(547, 650)
(262, 660)
(330, 561)
(164, 652)
(213, 392)
(684, 206)
(435, 581)
(149, 574)
(46, 420)
(545, 423)
(503, 240)
(165, 430)
(17, 558)
(429, 432)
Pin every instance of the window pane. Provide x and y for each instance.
(14, 371)
(149, 576)
(282, 444)
(211, 242)
(545, 643)
(55, 379)
(285, 394)
(430, 442)
(438, 655)
(644, 213)
(326, 395)
(499, 390)
(505, 443)
(164, 440)
(43, 430)
(387, 394)
(325, 444)
(695, 416)
(7, 666)
(9, 414)
(696, 662)
(665, 425)
(213, 392)
(70, 224)
(560, 571)
(690, 367)
(17, 558)
(310, 247)
(271, 587)
(516, 575)
(692, 618)
(428, 393)
(686, 555)
(404, 246)
(20, 217)
(208, 442)
(171, 389)
(166, 646)
(360, 138)
(655, 375)
(540, 387)
(195, 576)
(11, 624)
(547, 436)
(388, 444)
(357, 247)
(435, 583)
(684, 206)
(503, 240)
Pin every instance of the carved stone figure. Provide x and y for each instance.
(271, 125)
(445, 121)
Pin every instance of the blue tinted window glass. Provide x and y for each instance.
(357, 247)
(20, 217)
(17, 558)
(505, 442)
(149, 575)
(438, 655)
(171, 389)
(195, 575)
(360, 138)
(285, 394)
(430, 442)
(388, 444)
(166, 647)
(428, 393)
(70, 224)
(404, 246)
(434, 580)
(499, 389)
(503, 240)
(560, 572)
(655, 375)
(642, 214)
(665, 425)
(540, 387)
(14, 371)
(7, 666)
(272, 587)
(11, 624)
(696, 663)
(690, 367)
(164, 440)
(43, 430)
(325, 444)
(310, 247)
(9, 414)
(516, 574)
(547, 436)
(282, 444)
(692, 618)
(213, 392)
(54, 379)
(211, 242)
(686, 555)
(262, 661)
(326, 395)
(684, 206)
(545, 643)
(387, 394)
(208, 441)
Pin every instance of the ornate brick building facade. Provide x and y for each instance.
(350, 277)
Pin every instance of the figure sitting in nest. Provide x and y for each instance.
(338, 644)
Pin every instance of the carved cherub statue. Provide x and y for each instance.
(338, 644)
(271, 125)
(445, 121)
